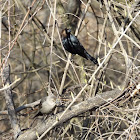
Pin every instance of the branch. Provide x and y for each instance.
(7, 86)
(30, 105)
(76, 110)
(9, 101)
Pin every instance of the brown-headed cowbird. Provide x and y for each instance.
(47, 104)
(72, 45)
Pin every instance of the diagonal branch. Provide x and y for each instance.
(76, 110)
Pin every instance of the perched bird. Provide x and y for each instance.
(72, 45)
(47, 104)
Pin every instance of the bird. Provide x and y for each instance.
(73, 45)
(47, 105)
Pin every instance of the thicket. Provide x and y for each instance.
(100, 102)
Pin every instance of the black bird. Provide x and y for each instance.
(72, 45)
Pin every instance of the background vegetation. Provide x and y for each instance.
(30, 41)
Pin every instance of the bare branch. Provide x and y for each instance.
(76, 110)
(9, 101)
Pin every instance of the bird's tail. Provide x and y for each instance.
(91, 58)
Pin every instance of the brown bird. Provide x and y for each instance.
(47, 105)
(72, 45)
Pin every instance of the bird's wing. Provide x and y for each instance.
(68, 45)
(79, 49)
(75, 41)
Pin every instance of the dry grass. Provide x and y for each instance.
(30, 42)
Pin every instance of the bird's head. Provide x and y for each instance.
(65, 33)
(68, 31)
